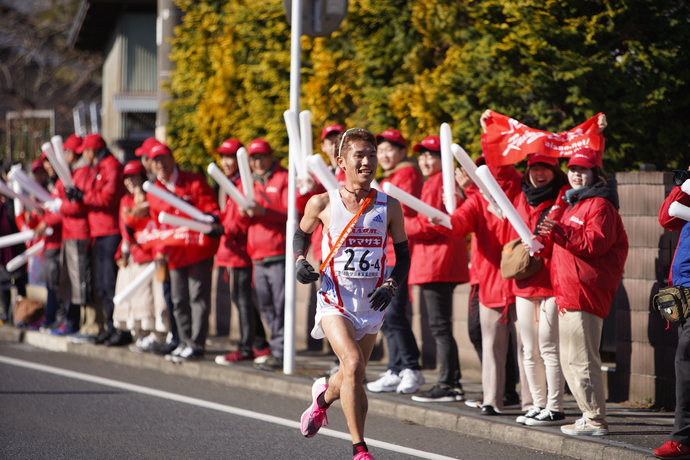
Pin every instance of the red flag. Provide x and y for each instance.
(507, 141)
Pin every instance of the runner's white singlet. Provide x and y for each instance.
(356, 269)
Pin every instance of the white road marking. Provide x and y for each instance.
(211, 405)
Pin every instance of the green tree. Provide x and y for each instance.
(415, 64)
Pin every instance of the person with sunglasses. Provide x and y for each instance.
(355, 290)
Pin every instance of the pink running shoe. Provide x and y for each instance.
(315, 417)
(363, 456)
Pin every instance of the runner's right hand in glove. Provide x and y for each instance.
(305, 273)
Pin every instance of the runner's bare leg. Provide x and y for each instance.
(348, 383)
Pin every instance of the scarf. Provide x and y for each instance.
(537, 195)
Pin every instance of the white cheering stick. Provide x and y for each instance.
(292, 125)
(23, 258)
(417, 204)
(165, 218)
(471, 170)
(60, 154)
(21, 237)
(17, 174)
(686, 187)
(448, 169)
(28, 202)
(246, 176)
(177, 203)
(135, 284)
(53, 158)
(224, 183)
(679, 210)
(305, 130)
(376, 185)
(508, 209)
(318, 168)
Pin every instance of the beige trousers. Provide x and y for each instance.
(580, 334)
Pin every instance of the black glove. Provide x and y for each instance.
(217, 231)
(380, 297)
(74, 194)
(305, 273)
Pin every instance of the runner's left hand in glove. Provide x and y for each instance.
(381, 297)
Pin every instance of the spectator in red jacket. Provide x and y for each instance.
(589, 252)
(439, 263)
(190, 265)
(266, 244)
(101, 196)
(77, 250)
(404, 374)
(543, 186)
(232, 256)
(144, 313)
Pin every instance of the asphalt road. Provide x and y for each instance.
(61, 406)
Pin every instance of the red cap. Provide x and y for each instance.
(331, 129)
(259, 146)
(92, 141)
(133, 167)
(541, 158)
(37, 164)
(229, 147)
(72, 143)
(146, 146)
(587, 158)
(158, 150)
(392, 135)
(432, 143)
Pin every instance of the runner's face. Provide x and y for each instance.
(229, 164)
(429, 163)
(540, 175)
(389, 155)
(360, 161)
(163, 166)
(579, 177)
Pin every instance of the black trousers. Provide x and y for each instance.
(105, 274)
(681, 427)
(403, 352)
(438, 298)
(253, 334)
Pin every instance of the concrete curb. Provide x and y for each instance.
(592, 448)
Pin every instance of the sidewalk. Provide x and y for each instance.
(634, 431)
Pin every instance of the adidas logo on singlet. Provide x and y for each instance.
(377, 218)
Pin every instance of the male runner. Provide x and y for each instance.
(354, 289)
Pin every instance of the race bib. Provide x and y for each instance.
(360, 256)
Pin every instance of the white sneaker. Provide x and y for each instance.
(388, 382)
(410, 381)
(261, 359)
(175, 352)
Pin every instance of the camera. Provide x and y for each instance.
(680, 176)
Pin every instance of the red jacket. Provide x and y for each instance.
(75, 223)
(491, 235)
(102, 193)
(589, 253)
(539, 284)
(266, 234)
(406, 177)
(232, 251)
(139, 255)
(673, 224)
(54, 221)
(193, 188)
(435, 257)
